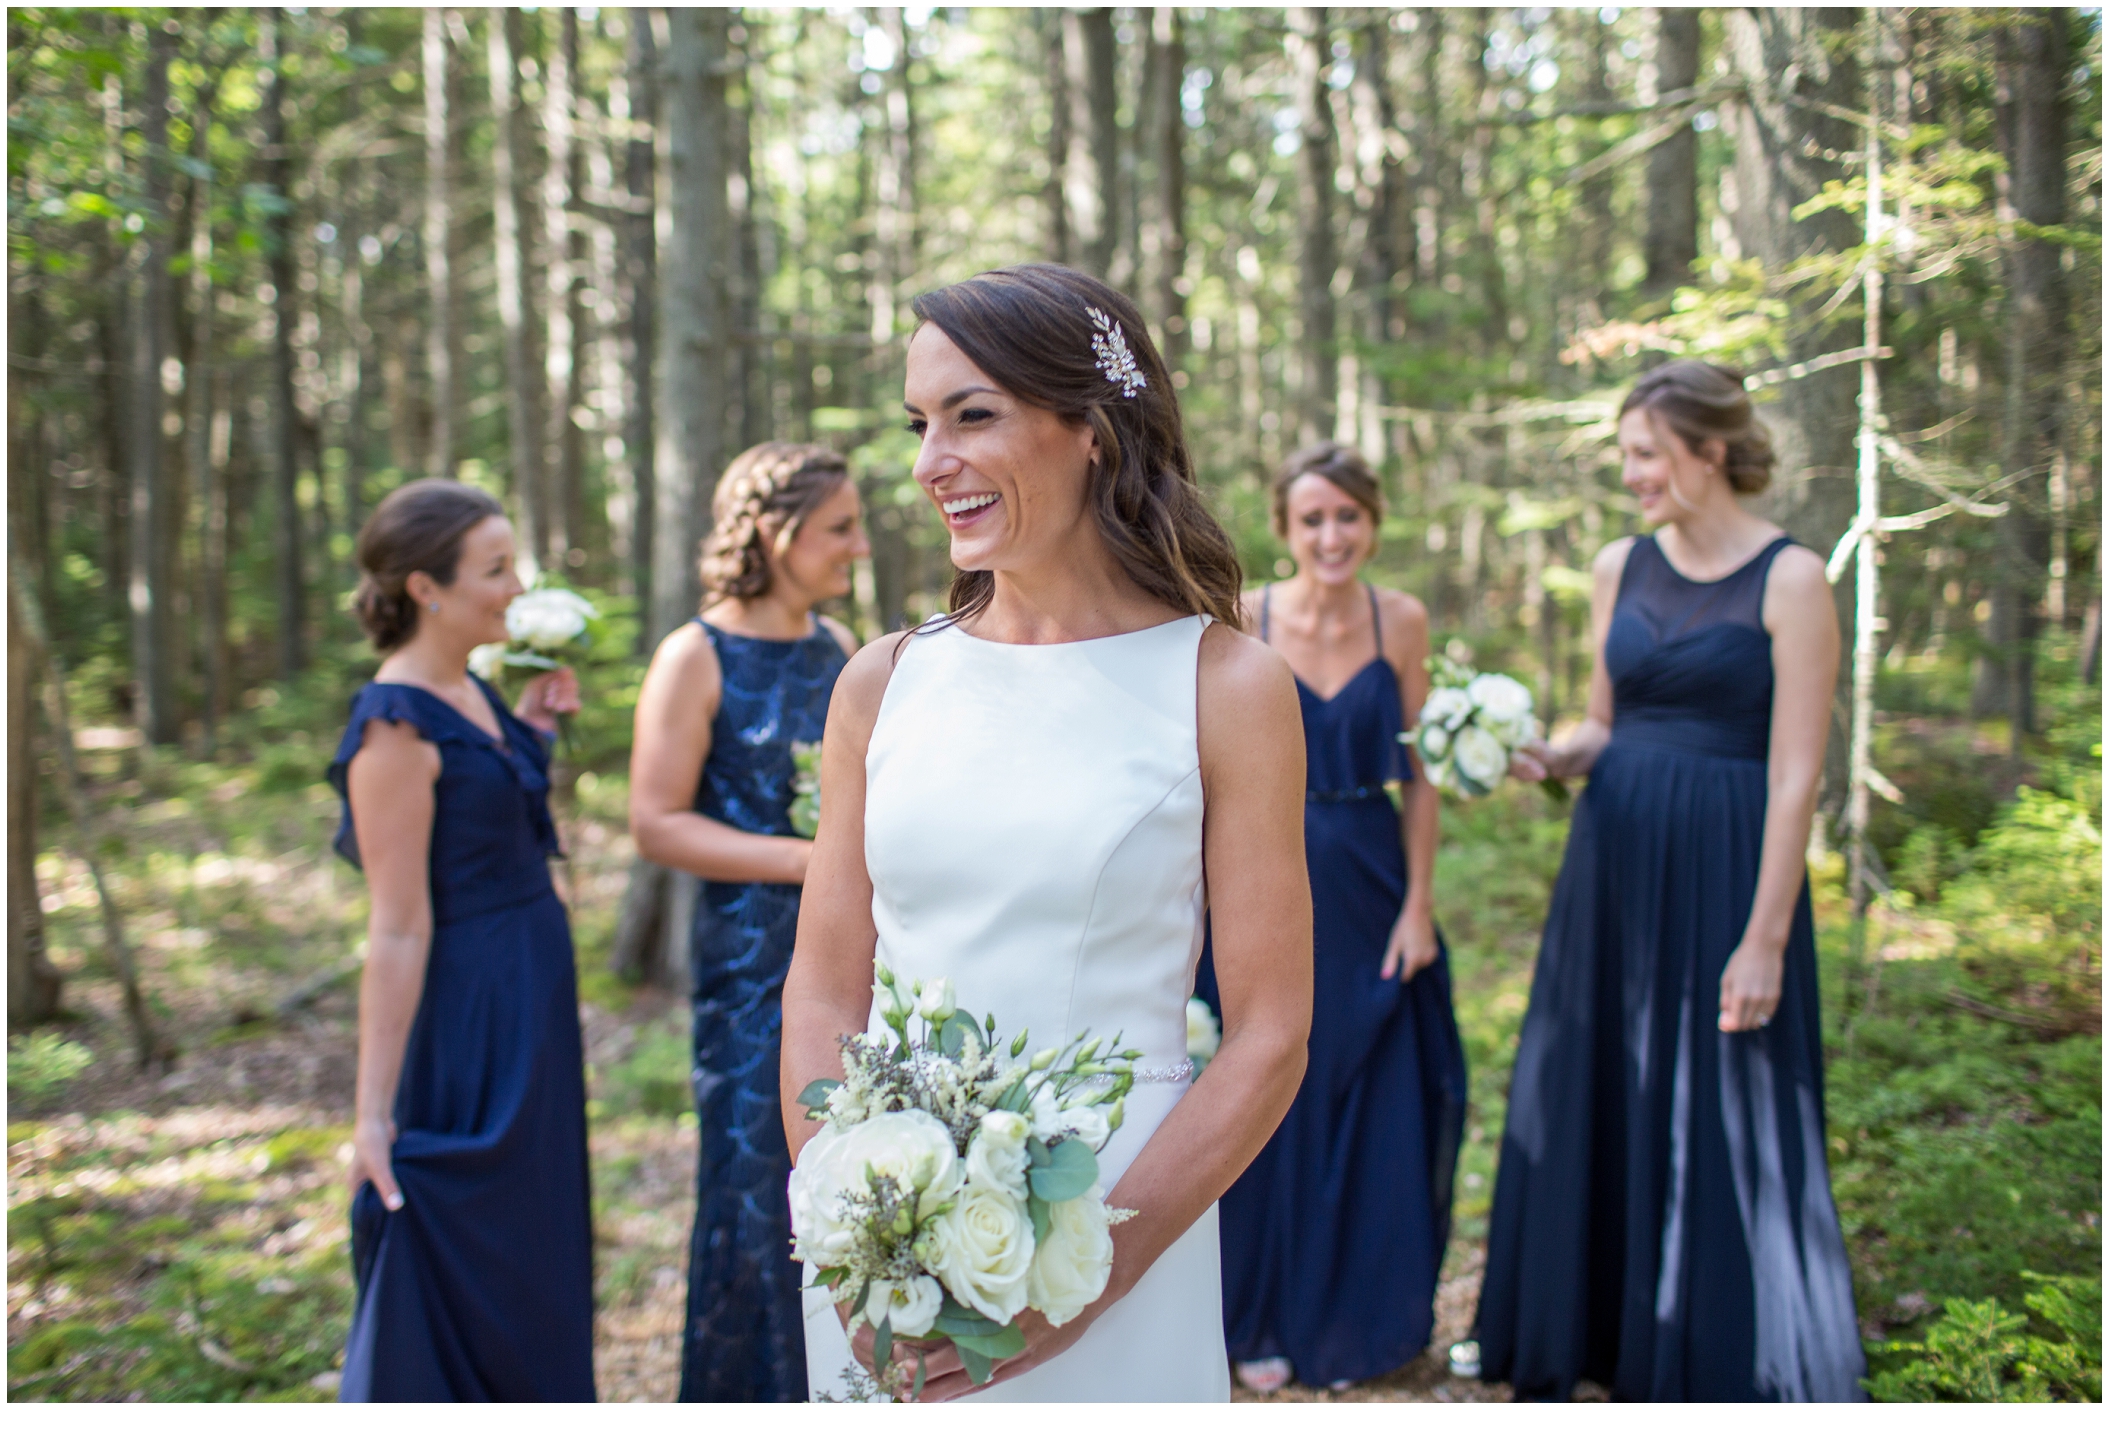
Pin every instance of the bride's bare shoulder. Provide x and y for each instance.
(1240, 675)
(862, 686)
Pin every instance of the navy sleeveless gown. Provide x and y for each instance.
(1662, 1218)
(1333, 1239)
(745, 1337)
(480, 1288)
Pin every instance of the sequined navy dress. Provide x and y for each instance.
(1662, 1218)
(745, 1337)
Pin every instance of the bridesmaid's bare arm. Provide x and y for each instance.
(1576, 753)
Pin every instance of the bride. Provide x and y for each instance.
(1040, 795)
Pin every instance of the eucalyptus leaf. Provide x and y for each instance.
(1042, 1212)
(1071, 1169)
(818, 1091)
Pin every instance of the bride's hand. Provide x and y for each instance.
(947, 1377)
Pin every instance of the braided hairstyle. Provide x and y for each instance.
(777, 478)
(417, 527)
(1701, 402)
(1029, 329)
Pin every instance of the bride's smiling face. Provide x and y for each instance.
(1008, 478)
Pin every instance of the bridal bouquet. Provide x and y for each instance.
(1470, 724)
(954, 1182)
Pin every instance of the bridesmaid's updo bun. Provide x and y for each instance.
(1068, 342)
(1703, 402)
(418, 527)
(1344, 466)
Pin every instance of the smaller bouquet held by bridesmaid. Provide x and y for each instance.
(1470, 725)
(805, 789)
(546, 628)
(954, 1182)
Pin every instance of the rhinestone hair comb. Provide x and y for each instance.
(1115, 361)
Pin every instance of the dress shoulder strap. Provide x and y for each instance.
(1376, 619)
(1266, 595)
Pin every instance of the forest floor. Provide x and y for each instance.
(180, 1233)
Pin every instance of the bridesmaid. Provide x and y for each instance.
(710, 793)
(1333, 1238)
(1662, 1220)
(472, 1239)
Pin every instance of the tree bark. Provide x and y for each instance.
(285, 448)
(197, 424)
(516, 291)
(641, 298)
(1100, 97)
(1167, 151)
(33, 984)
(441, 345)
(690, 372)
(1780, 162)
(1670, 245)
(1311, 56)
(1055, 194)
(2032, 61)
(893, 187)
(565, 457)
(755, 351)
(149, 594)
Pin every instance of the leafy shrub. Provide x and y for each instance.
(42, 1063)
(1978, 1352)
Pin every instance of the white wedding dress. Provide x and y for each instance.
(1032, 826)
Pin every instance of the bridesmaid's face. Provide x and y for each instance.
(819, 559)
(1008, 478)
(472, 609)
(1664, 475)
(1330, 533)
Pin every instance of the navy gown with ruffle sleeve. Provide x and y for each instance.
(480, 1288)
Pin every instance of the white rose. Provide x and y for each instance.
(1203, 1035)
(1511, 732)
(1073, 1262)
(1501, 698)
(982, 1249)
(1481, 758)
(1432, 742)
(547, 619)
(488, 661)
(1445, 706)
(1089, 1124)
(909, 1305)
(996, 1157)
(912, 1147)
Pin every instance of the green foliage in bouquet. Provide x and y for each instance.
(805, 788)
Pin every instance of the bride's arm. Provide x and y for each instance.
(828, 990)
(1252, 774)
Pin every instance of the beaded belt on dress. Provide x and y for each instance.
(1179, 1072)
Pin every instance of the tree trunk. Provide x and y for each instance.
(285, 447)
(516, 291)
(893, 186)
(197, 418)
(1055, 194)
(1311, 55)
(755, 351)
(1594, 200)
(1774, 171)
(1671, 242)
(441, 346)
(564, 462)
(33, 984)
(1100, 97)
(690, 372)
(2032, 61)
(149, 594)
(641, 297)
(1167, 150)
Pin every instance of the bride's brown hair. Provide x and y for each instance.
(1028, 329)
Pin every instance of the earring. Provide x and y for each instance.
(433, 608)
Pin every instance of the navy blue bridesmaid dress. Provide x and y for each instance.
(1663, 1222)
(480, 1288)
(745, 1336)
(1333, 1239)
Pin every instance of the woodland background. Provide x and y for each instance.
(265, 264)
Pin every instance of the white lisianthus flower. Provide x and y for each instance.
(1446, 706)
(1433, 743)
(1480, 758)
(981, 1250)
(1504, 708)
(548, 617)
(488, 661)
(1089, 1124)
(909, 1304)
(1203, 1035)
(1046, 1115)
(934, 1001)
(1074, 1260)
(996, 1157)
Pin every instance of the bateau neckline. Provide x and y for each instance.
(957, 629)
(1742, 566)
(498, 710)
(817, 629)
